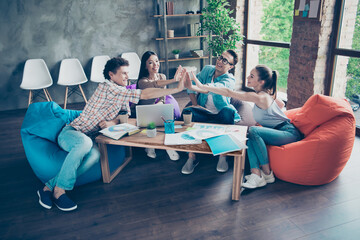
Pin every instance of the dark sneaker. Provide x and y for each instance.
(64, 203)
(45, 198)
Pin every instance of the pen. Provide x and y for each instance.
(163, 118)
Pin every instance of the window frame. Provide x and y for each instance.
(254, 42)
(336, 51)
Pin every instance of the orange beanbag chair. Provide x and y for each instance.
(329, 128)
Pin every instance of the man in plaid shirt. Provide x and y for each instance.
(101, 111)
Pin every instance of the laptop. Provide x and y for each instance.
(146, 114)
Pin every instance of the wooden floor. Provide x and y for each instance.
(151, 199)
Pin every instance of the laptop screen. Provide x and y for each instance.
(146, 114)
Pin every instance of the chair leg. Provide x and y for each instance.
(83, 94)
(30, 98)
(47, 92)
(66, 95)
(46, 95)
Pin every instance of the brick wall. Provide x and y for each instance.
(309, 54)
(303, 54)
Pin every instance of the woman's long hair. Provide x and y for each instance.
(270, 77)
(143, 70)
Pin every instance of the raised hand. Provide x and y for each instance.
(182, 78)
(178, 73)
(197, 82)
(188, 83)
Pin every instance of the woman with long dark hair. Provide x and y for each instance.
(149, 77)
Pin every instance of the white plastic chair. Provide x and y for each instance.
(72, 75)
(36, 77)
(134, 62)
(97, 68)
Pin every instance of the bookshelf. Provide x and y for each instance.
(166, 43)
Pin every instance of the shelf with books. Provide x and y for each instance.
(183, 37)
(177, 15)
(186, 27)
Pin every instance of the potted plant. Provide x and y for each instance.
(176, 53)
(151, 129)
(216, 20)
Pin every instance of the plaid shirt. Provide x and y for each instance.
(105, 104)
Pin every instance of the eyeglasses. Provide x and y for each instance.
(224, 60)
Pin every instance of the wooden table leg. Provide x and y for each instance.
(126, 161)
(239, 164)
(104, 161)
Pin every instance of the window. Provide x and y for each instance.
(346, 55)
(268, 33)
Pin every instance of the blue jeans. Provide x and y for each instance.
(225, 116)
(82, 155)
(259, 137)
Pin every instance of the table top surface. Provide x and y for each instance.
(141, 140)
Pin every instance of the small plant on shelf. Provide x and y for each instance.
(176, 53)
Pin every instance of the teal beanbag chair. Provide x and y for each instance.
(42, 123)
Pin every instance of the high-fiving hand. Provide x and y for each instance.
(180, 77)
(188, 83)
(198, 87)
(179, 72)
(197, 82)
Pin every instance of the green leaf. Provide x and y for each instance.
(216, 20)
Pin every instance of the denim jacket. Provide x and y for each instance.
(226, 80)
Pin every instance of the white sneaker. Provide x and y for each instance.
(254, 181)
(173, 155)
(268, 178)
(150, 152)
(189, 166)
(222, 165)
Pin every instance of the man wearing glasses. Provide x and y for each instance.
(210, 107)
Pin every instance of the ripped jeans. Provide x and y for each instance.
(259, 137)
(82, 155)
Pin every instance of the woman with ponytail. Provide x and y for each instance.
(275, 128)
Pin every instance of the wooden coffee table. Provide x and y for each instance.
(141, 140)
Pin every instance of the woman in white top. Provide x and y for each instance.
(276, 127)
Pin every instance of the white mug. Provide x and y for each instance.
(187, 118)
